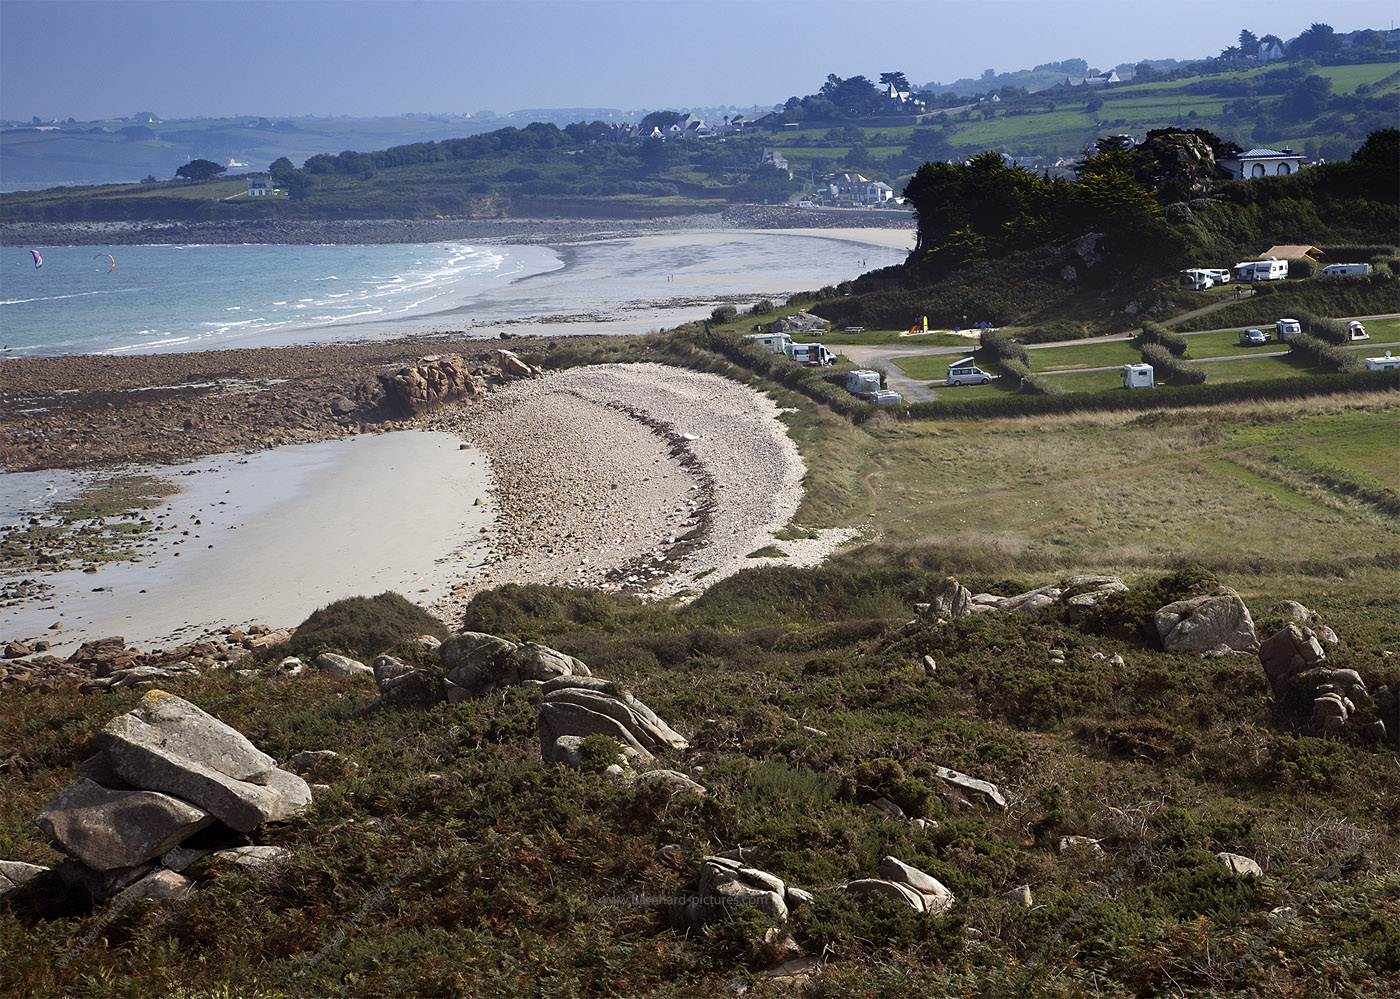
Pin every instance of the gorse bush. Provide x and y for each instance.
(1002, 347)
(1331, 330)
(363, 626)
(724, 314)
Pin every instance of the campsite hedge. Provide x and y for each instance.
(1324, 354)
(1159, 334)
(1164, 397)
(1172, 368)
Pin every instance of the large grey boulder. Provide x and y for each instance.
(107, 829)
(1289, 651)
(167, 744)
(336, 665)
(952, 600)
(937, 897)
(1082, 593)
(1030, 601)
(1205, 623)
(1236, 864)
(478, 663)
(726, 884)
(988, 792)
(15, 874)
(894, 890)
(581, 707)
(101, 884)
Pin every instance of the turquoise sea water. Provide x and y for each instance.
(193, 297)
(198, 297)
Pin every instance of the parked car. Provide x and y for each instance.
(1253, 338)
(965, 372)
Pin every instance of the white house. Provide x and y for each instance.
(861, 190)
(1272, 52)
(775, 159)
(1092, 81)
(1261, 163)
(259, 185)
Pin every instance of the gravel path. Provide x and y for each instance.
(640, 478)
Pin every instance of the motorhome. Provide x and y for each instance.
(778, 343)
(1345, 270)
(1196, 279)
(886, 397)
(1137, 376)
(1284, 328)
(812, 353)
(966, 372)
(1261, 270)
(862, 382)
(1386, 363)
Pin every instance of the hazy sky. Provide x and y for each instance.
(188, 58)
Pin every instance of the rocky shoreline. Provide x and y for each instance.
(551, 232)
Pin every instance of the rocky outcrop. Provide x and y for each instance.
(590, 706)
(329, 662)
(103, 655)
(15, 874)
(1238, 865)
(1207, 623)
(799, 324)
(727, 883)
(166, 770)
(512, 367)
(1289, 651)
(985, 791)
(1083, 593)
(477, 664)
(907, 885)
(429, 384)
(107, 829)
(952, 600)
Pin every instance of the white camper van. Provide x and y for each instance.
(1284, 328)
(812, 353)
(862, 382)
(1345, 270)
(1261, 270)
(1386, 363)
(778, 343)
(966, 372)
(1137, 376)
(1220, 275)
(1196, 279)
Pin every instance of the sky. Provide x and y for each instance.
(212, 58)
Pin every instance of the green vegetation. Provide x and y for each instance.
(363, 627)
(106, 521)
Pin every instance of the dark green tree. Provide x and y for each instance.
(899, 80)
(198, 171)
(1317, 39)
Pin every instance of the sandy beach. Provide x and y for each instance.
(636, 478)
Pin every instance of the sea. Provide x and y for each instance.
(162, 298)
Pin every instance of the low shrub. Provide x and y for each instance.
(1171, 368)
(1002, 347)
(1324, 354)
(363, 626)
(724, 314)
(1159, 334)
(762, 307)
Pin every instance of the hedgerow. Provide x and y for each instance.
(1165, 397)
(1324, 354)
(1171, 368)
(1159, 334)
